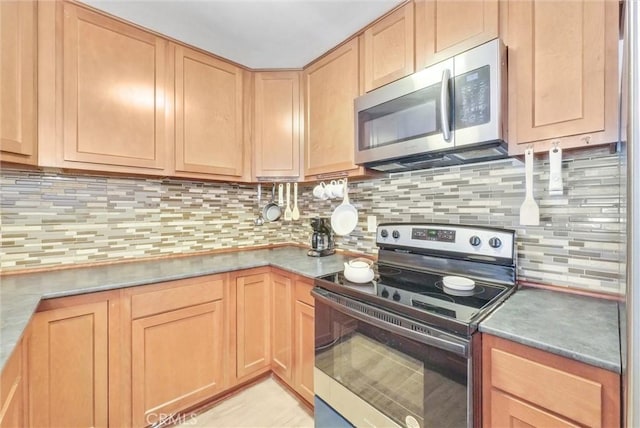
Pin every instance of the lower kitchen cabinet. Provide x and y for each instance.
(523, 386)
(305, 350)
(136, 356)
(13, 390)
(282, 326)
(178, 346)
(68, 368)
(253, 321)
(292, 336)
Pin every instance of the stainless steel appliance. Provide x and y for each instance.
(321, 238)
(400, 351)
(449, 113)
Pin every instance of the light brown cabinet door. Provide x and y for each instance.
(114, 93)
(18, 81)
(68, 367)
(305, 350)
(331, 85)
(253, 316)
(388, 48)
(282, 326)
(558, 391)
(13, 391)
(177, 361)
(563, 59)
(445, 28)
(509, 412)
(208, 115)
(276, 148)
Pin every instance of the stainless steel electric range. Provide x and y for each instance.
(401, 350)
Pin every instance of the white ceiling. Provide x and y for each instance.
(254, 33)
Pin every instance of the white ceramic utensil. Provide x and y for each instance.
(287, 210)
(295, 214)
(319, 191)
(345, 217)
(529, 211)
(280, 198)
(458, 283)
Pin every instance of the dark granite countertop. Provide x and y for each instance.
(582, 328)
(20, 294)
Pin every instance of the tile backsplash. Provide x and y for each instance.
(50, 219)
(579, 242)
(53, 219)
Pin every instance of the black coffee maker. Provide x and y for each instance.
(322, 238)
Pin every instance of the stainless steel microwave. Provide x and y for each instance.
(452, 112)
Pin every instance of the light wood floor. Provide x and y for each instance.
(265, 404)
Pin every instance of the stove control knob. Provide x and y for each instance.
(384, 293)
(495, 243)
(396, 296)
(395, 234)
(475, 241)
(384, 233)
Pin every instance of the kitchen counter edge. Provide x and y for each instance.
(21, 294)
(584, 329)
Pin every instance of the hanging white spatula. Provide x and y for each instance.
(529, 212)
(295, 214)
(287, 211)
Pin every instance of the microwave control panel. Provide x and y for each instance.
(472, 98)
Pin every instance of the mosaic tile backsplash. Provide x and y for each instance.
(51, 219)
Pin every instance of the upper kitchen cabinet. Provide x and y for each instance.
(388, 48)
(330, 85)
(209, 140)
(113, 95)
(563, 73)
(276, 148)
(18, 41)
(445, 28)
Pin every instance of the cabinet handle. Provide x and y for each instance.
(444, 105)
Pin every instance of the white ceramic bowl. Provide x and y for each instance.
(458, 283)
(359, 271)
(359, 277)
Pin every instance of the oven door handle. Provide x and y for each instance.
(451, 344)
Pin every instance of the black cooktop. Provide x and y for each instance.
(421, 295)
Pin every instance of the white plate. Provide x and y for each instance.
(458, 283)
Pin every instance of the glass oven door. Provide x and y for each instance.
(379, 369)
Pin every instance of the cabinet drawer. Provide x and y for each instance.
(184, 293)
(564, 393)
(303, 291)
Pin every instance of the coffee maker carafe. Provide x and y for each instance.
(322, 238)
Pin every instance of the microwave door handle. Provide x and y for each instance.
(445, 105)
